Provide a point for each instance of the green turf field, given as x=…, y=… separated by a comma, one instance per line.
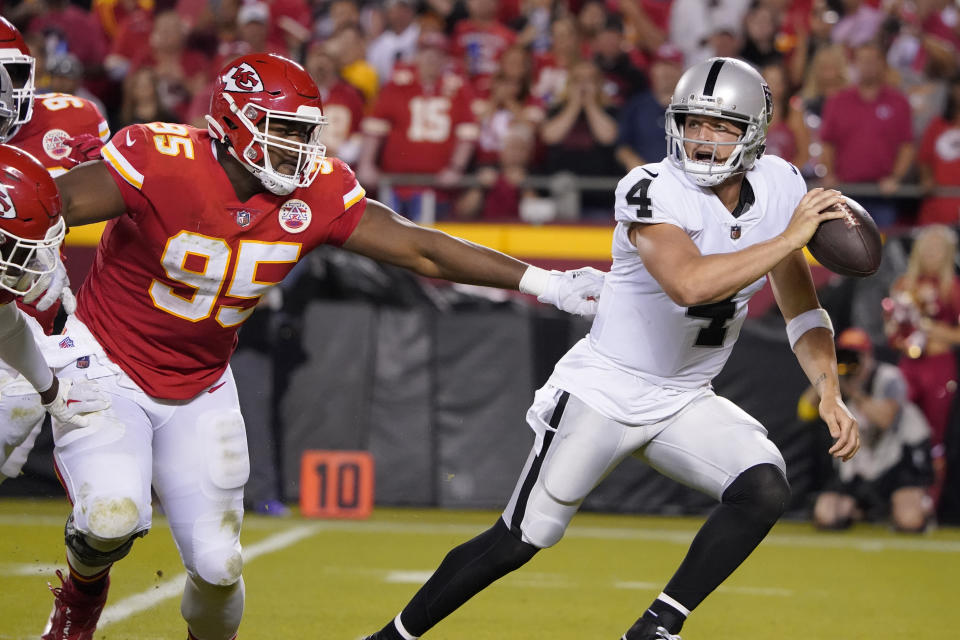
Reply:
x=340, y=579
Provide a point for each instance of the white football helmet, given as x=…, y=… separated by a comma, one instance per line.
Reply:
x=724, y=88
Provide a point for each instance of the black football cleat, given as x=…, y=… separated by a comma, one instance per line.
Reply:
x=644, y=629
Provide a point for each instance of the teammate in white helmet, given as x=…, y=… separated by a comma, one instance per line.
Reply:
x=696, y=237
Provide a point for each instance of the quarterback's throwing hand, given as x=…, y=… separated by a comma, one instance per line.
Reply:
x=52, y=286
x=576, y=291
x=74, y=400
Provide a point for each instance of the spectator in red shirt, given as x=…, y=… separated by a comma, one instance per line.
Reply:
x=509, y=102
x=939, y=162
x=501, y=194
x=78, y=28
x=867, y=134
x=181, y=72
x=131, y=32
x=422, y=118
x=551, y=68
x=479, y=40
x=342, y=104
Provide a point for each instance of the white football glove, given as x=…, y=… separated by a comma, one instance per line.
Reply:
x=75, y=399
x=576, y=291
x=53, y=286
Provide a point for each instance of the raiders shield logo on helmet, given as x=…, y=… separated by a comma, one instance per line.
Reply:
x=243, y=78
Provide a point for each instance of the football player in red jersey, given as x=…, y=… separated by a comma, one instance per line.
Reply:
x=47, y=128
x=201, y=225
x=30, y=226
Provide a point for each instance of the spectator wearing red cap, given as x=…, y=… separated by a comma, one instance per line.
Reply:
x=641, y=138
x=423, y=121
x=892, y=470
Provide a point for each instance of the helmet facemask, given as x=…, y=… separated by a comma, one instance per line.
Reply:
x=8, y=107
x=255, y=156
x=24, y=261
x=709, y=172
x=20, y=67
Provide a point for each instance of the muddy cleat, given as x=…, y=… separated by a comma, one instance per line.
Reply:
x=75, y=614
x=644, y=629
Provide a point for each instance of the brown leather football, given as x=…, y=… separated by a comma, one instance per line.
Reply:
x=850, y=246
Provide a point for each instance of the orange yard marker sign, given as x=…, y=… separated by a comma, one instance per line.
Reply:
x=336, y=484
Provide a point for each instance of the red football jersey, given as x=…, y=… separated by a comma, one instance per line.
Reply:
x=180, y=271
x=422, y=124
x=56, y=117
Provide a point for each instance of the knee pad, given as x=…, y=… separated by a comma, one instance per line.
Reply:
x=110, y=518
x=543, y=532
x=217, y=559
x=762, y=490
x=88, y=555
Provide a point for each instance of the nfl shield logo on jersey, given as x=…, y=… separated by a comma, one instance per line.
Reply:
x=295, y=216
x=735, y=232
x=243, y=218
x=66, y=343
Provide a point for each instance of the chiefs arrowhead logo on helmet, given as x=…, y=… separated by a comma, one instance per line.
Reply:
x=242, y=78
x=7, y=210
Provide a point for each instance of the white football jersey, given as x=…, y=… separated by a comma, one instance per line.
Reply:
x=645, y=354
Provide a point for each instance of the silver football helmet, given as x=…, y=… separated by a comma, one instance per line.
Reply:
x=724, y=88
x=8, y=106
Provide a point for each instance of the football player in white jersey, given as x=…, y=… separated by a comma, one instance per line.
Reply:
x=696, y=236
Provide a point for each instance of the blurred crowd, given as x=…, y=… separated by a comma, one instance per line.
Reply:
x=865, y=91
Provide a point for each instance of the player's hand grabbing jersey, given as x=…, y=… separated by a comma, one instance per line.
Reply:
x=177, y=275
x=56, y=117
x=642, y=340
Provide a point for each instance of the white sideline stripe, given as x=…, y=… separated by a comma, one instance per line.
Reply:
x=819, y=540
x=29, y=569
x=750, y=591
x=173, y=587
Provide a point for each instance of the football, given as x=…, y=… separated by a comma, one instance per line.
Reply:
x=851, y=245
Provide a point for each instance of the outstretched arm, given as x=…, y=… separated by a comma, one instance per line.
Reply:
x=89, y=194
x=793, y=288
x=388, y=237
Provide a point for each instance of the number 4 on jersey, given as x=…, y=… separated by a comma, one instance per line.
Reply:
x=637, y=197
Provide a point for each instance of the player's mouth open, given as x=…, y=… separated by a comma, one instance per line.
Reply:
x=704, y=156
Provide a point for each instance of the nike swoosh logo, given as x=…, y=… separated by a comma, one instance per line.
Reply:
x=212, y=389
x=647, y=170
x=130, y=141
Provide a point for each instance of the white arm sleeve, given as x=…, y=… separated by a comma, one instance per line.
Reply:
x=20, y=351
